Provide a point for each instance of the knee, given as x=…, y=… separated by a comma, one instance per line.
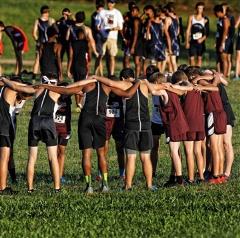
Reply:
x=227, y=146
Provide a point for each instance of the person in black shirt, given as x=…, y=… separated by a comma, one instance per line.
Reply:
x=63, y=25
x=40, y=33
x=8, y=100
x=50, y=56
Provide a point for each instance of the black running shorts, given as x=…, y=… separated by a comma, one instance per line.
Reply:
x=91, y=131
x=42, y=128
x=157, y=129
x=6, y=141
x=196, y=49
x=138, y=140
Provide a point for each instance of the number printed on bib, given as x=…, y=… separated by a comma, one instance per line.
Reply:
x=113, y=112
x=60, y=119
x=197, y=35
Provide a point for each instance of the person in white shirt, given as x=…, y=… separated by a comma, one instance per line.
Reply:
x=110, y=22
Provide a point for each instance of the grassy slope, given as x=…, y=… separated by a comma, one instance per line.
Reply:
x=203, y=211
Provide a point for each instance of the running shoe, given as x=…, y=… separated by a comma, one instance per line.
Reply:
x=153, y=188
x=105, y=189
x=8, y=191
x=214, y=180
x=89, y=190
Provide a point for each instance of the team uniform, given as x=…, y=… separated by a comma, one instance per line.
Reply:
x=63, y=26
x=7, y=130
x=48, y=60
x=216, y=116
x=115, y=118
x=174, y=119
x=42, y=32
x=193, y=108
x=99, y=40
x=127, y=34
x=138, y=51
x=19, y=42
x=41, y=125
x=91, y=124
x=226, y=105
x=156, y=121
x=231, y=34
x=228, y=44
x=138, y=134
x=62, y=119
x=157, y=45
x=173, y=32
x=80, y=54
x=198, y=30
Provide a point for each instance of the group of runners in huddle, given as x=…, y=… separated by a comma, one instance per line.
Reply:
x=189, y=104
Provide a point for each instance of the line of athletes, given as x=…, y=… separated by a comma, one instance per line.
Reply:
x=154, y=35
x=191, y=107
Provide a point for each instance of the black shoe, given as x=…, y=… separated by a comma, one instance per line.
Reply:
x=171, y=182
x=200, y=181
x=30, y=191
x=8, y=191
x=189, y=182
x=58, y=190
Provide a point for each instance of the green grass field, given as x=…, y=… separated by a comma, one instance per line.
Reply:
x=196, y=211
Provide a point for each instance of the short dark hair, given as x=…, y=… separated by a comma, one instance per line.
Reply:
x=192, y=71
x=44, y=9
x=2, y=24
x=131, y=5
x=80, y=16
x=170, y=7
x=218, y=8
x=183, y=67
x=135, y=8
x=199, y=4
x=151, y=69
x=99, y=3
x=178, y=76
x=66, y=10
x=150, y=7
x=126, y=73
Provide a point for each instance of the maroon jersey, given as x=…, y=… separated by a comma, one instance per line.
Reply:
x=174, y=119
x=214, y=104
x=193, y=107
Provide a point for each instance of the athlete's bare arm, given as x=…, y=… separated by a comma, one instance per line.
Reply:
x=124, y=85
x=58, y=48
x=69, y=74
x=188, y=31
x=226, y=25
x=166, y=27
x=35, y=30
x=135, y=35
x=91, y=41
x=18, y=87
x=126, y=93
x=75, y=88
x=155, y=89
x=206, y=88
x=237, y=24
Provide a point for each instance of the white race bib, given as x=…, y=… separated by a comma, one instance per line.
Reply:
x=197, y=35
x=113, y=112
x=60, y=119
